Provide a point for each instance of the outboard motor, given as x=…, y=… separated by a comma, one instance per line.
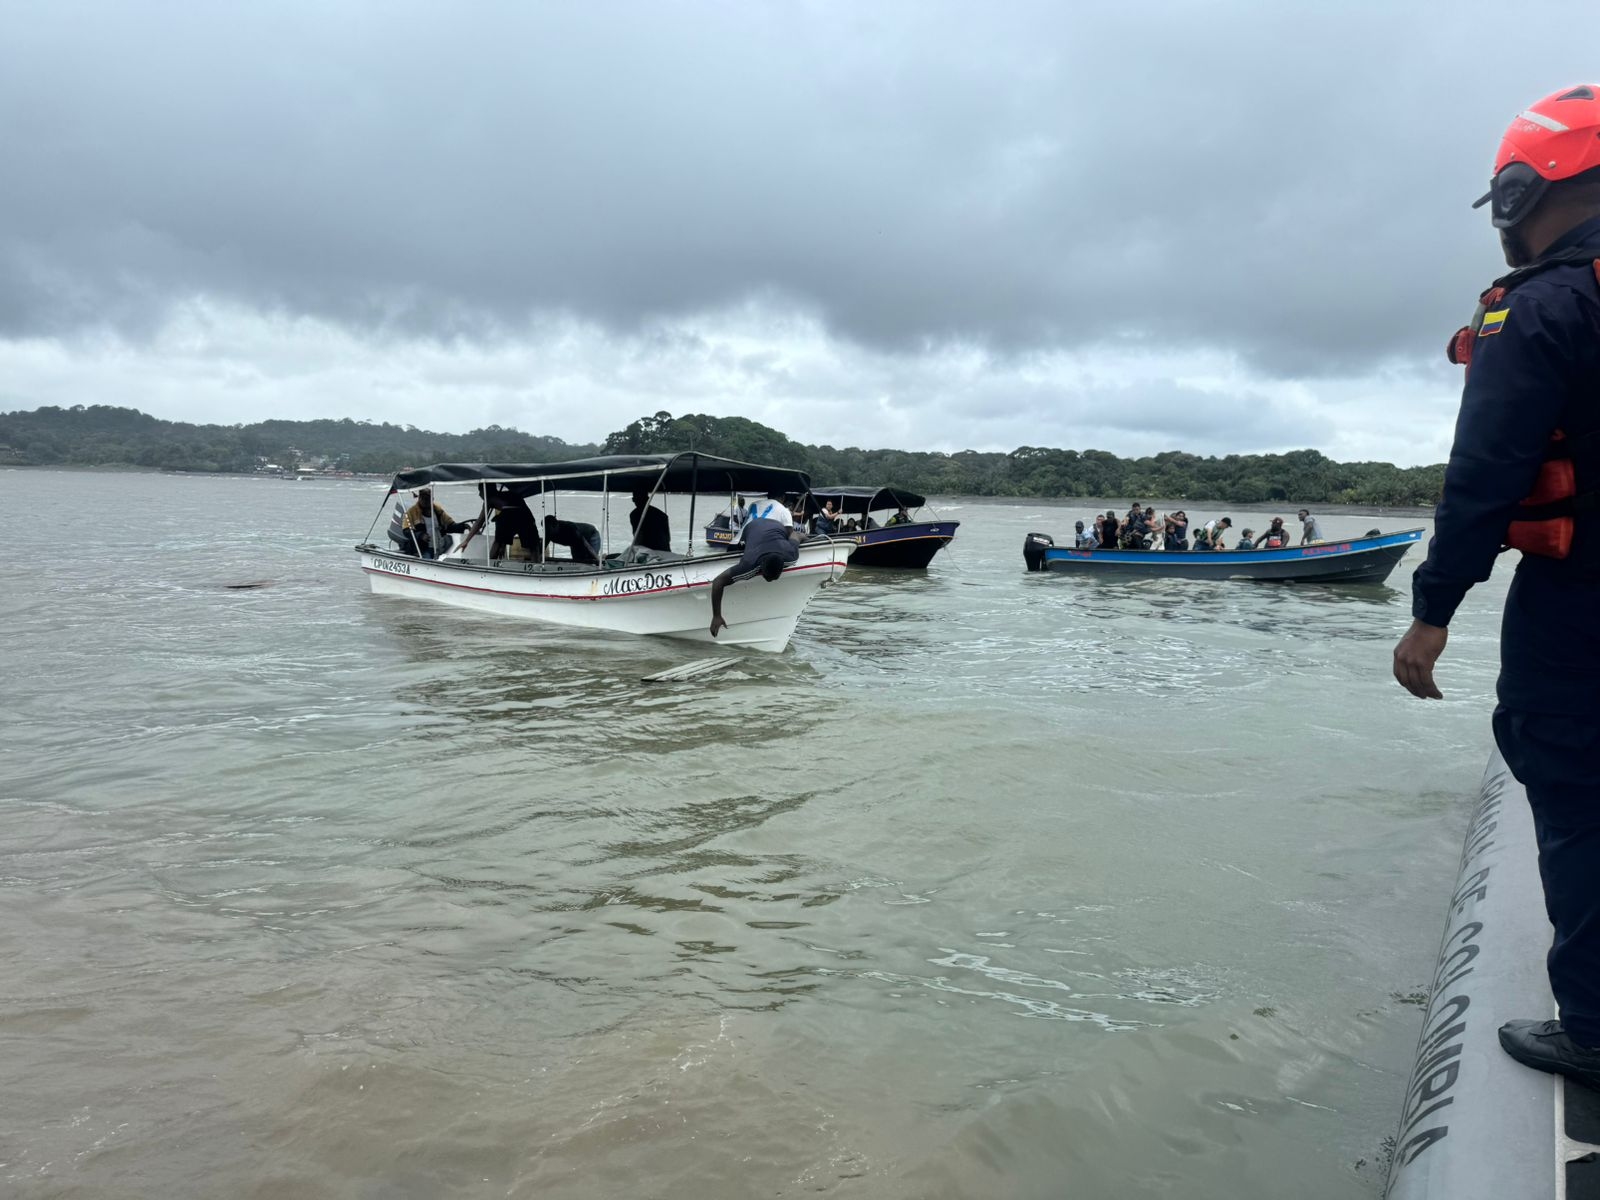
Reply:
x=397, y=533
x=1033, y=548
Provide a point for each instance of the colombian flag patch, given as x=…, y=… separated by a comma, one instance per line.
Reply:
x=1493, y=322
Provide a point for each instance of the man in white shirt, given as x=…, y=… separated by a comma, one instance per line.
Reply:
x=763, y=509
x=1211, y=534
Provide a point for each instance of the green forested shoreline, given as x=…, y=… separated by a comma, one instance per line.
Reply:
x=105, y=436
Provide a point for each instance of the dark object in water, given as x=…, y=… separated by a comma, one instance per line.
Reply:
x=254, y=583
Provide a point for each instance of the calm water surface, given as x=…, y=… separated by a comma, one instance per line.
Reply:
x=991, y=886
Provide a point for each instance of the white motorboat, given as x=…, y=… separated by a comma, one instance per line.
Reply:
x=631, y=591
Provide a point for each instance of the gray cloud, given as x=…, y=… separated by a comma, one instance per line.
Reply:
x=1287, y=180
x=1286, y=184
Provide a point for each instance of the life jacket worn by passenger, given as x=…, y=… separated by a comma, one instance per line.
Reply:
x=1546, y=520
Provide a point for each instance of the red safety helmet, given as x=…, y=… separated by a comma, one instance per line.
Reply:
x=1556, y=138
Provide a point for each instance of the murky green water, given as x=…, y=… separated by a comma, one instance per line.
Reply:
x=993, y=885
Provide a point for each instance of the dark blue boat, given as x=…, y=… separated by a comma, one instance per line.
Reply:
x=910, y=545
x=1367, y=559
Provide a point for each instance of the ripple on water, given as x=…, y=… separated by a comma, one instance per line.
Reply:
x=313, y=893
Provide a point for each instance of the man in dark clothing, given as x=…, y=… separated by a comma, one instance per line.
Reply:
x=650, y=528
x=580, y=537
x=1108, y=531
x=512, y=520
x=769, y=546
x=1534, y=368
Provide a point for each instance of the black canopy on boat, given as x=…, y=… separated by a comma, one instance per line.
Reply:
x=865, y=499
x=689, y=471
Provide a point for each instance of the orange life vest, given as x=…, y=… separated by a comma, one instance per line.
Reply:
x=1547, y=518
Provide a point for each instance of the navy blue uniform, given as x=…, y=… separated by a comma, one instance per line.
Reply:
x=763, y=539
x=1538, y=371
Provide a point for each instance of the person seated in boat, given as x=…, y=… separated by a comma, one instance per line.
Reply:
x=425, y=524
x=1134, y=529
x=851, y=526
x=1175, y=531
x=826, y=521
x=769, y=547
x=1247, y=540
x=650, y=528
x=579, y=537
x=1084, y=539
x=1210, y=535
x=512, y=520
x=1110, y=527
x=901, y=517
x=1276, y=536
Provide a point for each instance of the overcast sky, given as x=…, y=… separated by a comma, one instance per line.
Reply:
x=1219, y=226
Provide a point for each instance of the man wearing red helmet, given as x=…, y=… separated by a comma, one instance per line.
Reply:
x=1524, y=471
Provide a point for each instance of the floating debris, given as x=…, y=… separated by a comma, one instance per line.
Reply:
x=694, y=670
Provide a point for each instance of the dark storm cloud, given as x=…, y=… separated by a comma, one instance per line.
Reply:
x=1285, y=181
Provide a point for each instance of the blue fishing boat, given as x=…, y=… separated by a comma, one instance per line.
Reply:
x=908, y=544
x=1368, y=559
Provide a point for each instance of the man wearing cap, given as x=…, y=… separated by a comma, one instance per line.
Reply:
x=425, y=525
x=1534, y=369
x=1210, y=535
x=1276, y=537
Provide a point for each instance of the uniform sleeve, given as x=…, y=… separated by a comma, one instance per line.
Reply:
x=1520, y=381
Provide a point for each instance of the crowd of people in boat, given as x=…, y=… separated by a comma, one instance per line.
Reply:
x=427, y=530
x=821, y=521
x=1142, y=529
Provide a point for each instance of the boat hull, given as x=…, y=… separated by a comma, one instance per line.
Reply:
x=903, y=547
x=670, y=598
x=1357, y=560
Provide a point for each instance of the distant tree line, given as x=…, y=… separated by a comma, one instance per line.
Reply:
x=103, y=436
x=1303, y=476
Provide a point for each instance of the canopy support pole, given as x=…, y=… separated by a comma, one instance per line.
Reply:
x=694, y=488
x=383, y=507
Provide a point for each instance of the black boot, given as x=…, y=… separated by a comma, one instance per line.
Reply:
x=1545, y=1046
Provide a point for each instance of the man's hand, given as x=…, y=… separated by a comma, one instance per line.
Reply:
x=717, y=625
x=1414, y=656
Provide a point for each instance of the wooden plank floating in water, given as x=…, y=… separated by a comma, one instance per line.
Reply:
x=694, y=670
